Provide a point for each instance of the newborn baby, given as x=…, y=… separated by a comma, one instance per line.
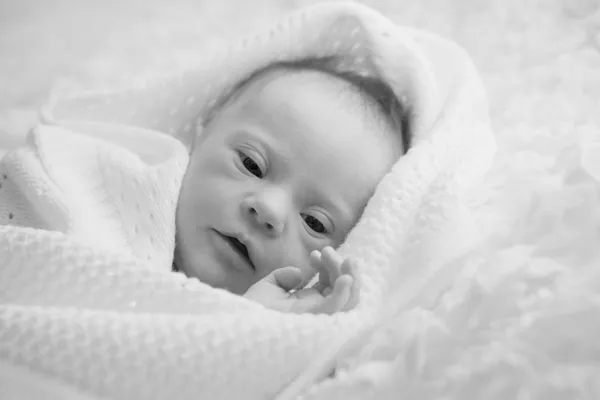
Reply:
x=279, y=176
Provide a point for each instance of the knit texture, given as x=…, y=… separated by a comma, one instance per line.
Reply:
x=87, y=297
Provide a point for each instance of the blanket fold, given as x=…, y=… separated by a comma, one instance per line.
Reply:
x=87, y=296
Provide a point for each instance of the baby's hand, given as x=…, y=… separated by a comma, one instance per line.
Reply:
x=337, y=290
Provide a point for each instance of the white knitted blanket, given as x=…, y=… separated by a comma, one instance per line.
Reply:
x=87, y=299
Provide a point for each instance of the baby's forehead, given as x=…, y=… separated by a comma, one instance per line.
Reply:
x=291, y=93
x=282, y=85
x=282, y=88
x=315, y=112
x=270, y=89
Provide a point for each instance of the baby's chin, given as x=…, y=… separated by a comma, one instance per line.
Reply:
x=208, y=270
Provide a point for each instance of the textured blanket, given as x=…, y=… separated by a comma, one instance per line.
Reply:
x=87, y=298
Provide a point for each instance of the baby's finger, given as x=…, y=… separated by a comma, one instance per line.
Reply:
x=332, y=262
x=327, y=262
x=349, y=268
x=315, y=262
x=338, y=298
x=287, y=278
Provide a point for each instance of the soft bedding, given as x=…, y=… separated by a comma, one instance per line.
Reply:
x=517, y=315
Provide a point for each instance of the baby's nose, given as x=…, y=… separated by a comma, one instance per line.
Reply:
x=271, y=223
x=269, y=210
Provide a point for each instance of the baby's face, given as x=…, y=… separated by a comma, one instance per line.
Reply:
x=286, y=168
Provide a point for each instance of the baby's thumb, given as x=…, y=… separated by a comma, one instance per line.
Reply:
x=287, y=278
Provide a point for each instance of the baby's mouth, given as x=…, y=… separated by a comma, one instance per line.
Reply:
x=241, y=249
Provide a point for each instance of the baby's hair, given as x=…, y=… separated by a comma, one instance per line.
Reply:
x=375, y=88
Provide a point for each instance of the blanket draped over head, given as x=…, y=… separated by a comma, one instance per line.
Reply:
x=88, y=303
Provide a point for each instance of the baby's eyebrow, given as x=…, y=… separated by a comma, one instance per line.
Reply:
x=342, y=210
x=255, y=135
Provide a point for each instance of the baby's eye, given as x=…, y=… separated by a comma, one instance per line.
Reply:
x=250, y=165
x=314, y=224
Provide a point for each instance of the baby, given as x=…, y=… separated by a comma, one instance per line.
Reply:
x=280, y=174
